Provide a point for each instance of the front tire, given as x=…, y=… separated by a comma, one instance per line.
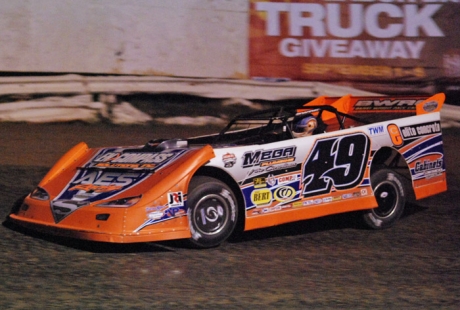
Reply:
x=212, y=212
x=390, y=193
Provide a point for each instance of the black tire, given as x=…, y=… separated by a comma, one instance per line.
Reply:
x=390, y=194
x=212, y=212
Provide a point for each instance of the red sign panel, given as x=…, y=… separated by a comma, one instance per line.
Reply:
x=359, y=42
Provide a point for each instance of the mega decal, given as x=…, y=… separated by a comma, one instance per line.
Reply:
x=270, y=157
x=336, y=161
x=135, y=160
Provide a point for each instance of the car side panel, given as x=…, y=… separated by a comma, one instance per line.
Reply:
x=330, y=173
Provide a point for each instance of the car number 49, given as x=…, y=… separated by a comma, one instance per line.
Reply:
x=336, y=161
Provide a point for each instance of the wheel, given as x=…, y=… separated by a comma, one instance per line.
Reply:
x=390, y=194
x=212, y=211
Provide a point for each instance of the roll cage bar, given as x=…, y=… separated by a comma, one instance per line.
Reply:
x=287, y=116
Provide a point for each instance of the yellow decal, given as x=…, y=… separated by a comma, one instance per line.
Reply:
x=261, y=197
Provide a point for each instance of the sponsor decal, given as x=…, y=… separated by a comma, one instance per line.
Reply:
x=229, y=160
x=271, y=180
x=135, y=160
x=261, y=197
x=277, y=161
x=263, y=158
x=259, y=182
x=175, y=199
x=428, y=168
x=108, y=179
x=90, y=185
x=155, y=215
x=428, y=165
x=157, y=208
x=297, y=204
x=337, y=162
x=272, y=209
x=430, y=106
x=421, y=130
x=387, y=104
x=376, y=130
x=159, y=214
x=271, y=168
x=395, y=134
x=284, y=193
x=62, y=208
x=172, y=212
x=95, y=188
x=288, y=178
x=363, y=192
x=352, y=195
x=308, y=202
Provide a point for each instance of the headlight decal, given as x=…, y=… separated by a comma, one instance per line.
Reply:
x=39, y=194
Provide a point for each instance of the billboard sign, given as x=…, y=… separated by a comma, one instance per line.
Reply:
x=362, y=41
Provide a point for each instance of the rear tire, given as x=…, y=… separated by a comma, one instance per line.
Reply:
x=390, y=194
x=212, y=212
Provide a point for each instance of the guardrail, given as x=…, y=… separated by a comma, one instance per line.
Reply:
x=450, y=116
x=204, y=87
x=81, y=106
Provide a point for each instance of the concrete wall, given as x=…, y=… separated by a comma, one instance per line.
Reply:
x=194, y=38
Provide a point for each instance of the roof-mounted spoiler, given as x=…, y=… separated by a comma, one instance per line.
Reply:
x=373, y=104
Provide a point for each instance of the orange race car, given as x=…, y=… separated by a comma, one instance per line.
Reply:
x=331, y=155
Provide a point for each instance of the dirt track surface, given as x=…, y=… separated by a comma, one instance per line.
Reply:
x=318, y=264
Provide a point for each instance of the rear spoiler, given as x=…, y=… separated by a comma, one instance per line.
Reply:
x=348, y=104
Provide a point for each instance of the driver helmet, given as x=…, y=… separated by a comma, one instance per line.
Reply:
x=305, y=126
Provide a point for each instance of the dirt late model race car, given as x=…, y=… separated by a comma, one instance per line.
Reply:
x=328, y=156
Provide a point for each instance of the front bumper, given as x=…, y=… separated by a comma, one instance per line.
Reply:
x=118, y=225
